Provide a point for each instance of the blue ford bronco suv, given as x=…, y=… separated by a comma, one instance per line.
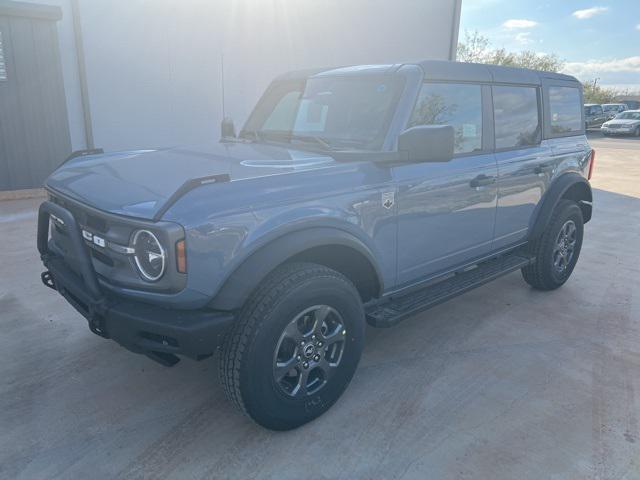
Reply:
x=351, y=195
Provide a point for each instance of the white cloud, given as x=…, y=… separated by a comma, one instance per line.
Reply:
x=638, y=27
x=599, y=67
x=632, y=88
x=589, y=12
x=621, y=71
x=523, y=38
x=519, y=23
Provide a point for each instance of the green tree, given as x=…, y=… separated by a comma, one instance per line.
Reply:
x=474, y=49
x=594, y=93
x=477, y=48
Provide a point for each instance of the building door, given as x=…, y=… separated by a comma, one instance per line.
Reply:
x=34, y=129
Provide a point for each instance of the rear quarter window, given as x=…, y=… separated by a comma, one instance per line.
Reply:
x=565, y=110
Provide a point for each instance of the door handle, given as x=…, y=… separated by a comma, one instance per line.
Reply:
x=543, y=168
x=482, y=181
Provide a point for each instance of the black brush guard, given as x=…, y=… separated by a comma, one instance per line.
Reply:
x=157, y=332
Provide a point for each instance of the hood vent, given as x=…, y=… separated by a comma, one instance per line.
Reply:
x=186, y=187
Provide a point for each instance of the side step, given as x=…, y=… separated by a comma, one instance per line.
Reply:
x=398, y=308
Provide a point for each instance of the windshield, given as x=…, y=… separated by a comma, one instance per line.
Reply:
x=629, y=116
x=327, y=112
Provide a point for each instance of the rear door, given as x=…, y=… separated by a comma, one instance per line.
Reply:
x=524, y=160
x=446, y=211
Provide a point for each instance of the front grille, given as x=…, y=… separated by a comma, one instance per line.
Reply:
x=95, y=223
x=101, y=257
x=616, y=125
x=112, y=267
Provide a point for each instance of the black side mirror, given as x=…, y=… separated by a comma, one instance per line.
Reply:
x=428, y=143
x=227, y=128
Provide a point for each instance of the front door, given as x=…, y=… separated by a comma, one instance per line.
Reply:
x=446, y=211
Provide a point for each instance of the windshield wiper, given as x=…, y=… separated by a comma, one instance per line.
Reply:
x=323, y=142
x=262, y=135
x=256, y=135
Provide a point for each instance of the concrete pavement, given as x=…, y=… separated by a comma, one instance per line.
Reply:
x=502, y=383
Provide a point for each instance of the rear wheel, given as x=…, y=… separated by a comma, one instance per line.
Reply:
x=637, y=132
x=558, y=248
x=295, y=347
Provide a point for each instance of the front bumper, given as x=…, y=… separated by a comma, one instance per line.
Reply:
x=160, y=333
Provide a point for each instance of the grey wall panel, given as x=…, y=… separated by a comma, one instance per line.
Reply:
x=35, y=131
x=5, y=118
x=69, y=63
x=29, y=143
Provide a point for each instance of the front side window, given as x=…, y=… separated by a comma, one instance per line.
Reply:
x=564, y=106
x=337, y=112
x=517, y=121
x=458, y=105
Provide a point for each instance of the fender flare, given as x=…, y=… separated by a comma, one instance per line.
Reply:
x=251, y=272
x=555, y=193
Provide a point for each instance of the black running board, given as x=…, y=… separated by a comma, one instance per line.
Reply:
x=398, y=308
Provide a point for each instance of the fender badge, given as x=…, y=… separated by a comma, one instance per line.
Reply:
x=388, y=199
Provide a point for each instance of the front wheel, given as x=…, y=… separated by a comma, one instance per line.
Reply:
x=558, y=248
x=295, y=347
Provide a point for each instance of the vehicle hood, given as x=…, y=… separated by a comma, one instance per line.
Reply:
x=622, y=121
x=139, y=183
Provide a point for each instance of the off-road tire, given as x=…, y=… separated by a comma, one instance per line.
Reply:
x=246, y=360
x=542, y=274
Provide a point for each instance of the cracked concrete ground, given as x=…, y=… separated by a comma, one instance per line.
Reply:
x=502, y=383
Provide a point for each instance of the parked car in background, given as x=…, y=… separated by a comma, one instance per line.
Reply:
x=632, y=102
x=625, y=123
x=594, y=116
x=612, y=109
x=351, y=195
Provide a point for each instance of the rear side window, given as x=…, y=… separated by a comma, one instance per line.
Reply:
x=565, y=110
x=516, y=117
x=458, y=105
x=594, y=110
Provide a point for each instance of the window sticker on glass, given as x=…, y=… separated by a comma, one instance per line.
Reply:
x=469, y=130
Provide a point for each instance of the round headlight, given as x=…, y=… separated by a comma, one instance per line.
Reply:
x=149, y=255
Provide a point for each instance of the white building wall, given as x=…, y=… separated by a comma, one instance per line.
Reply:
x=153, y=66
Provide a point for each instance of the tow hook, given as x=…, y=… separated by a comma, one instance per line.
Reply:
x=47, y=279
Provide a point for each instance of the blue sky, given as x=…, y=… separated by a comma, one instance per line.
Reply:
x=597, y=39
